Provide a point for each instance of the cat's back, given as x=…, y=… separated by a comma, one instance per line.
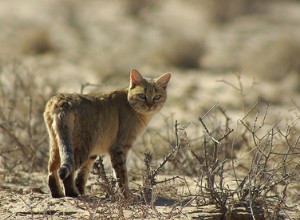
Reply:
x=107, y=113
x=63, y=102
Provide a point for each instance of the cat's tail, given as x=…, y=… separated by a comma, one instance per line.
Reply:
x=63, y=132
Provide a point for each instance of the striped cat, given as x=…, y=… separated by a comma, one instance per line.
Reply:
x=81, y=127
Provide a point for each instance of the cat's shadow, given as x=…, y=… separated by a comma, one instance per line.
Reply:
x=170, y=202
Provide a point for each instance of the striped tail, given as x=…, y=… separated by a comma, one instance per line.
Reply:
x=65, y=146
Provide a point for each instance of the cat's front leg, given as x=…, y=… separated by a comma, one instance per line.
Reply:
x=118, y=161
x=118, y=157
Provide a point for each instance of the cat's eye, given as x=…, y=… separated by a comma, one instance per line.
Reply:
x=142, y=96
x=157, y=97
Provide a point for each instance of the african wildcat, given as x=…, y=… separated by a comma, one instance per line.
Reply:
x=83, y=126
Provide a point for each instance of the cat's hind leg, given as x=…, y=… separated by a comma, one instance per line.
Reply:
x=83, y=174
x=56, y=191
x=53, y=179
x=69, y=185
x=53, y=166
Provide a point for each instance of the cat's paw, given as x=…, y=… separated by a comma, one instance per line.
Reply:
x=132, y=197
x=70, y=192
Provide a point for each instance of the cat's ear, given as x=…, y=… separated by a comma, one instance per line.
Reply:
x=135, y=78
x=163, y=80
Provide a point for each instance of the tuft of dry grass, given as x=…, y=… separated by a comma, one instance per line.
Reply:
x=274, y=59
x=222, y=188
x=220, y=12
x=182, y=52
x=254, y=185
x=251, y=165
x=137, y=8
x=23, y=133
x=37, y=42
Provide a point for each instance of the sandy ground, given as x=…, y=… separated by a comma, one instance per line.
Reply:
x=31, y=200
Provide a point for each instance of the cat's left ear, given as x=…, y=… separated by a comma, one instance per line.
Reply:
x=163, y=80
x=135, y=78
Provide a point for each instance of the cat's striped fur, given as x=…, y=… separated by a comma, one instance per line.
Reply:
x=81, y=127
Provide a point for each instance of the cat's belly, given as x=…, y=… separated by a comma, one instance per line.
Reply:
x=100, y=150
x=101, y=147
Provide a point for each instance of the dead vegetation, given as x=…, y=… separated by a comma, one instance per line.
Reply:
x=221, y=12
x=281, y=60
x=23, y=137
x=189, y=57
x=259, y=181
x=247, y=169
x=37, y=42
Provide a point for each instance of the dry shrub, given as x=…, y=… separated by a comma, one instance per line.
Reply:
x=23, y=133
x=259, y=181
x=221, y=11
x=274, y=58
x=262, y=176
x=181, y=52
x=248, y=166
x=137, y=8
x=37, y=42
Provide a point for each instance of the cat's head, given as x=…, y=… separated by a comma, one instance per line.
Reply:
x=147, y=96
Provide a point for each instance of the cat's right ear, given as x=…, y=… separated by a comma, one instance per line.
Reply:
x=163, y=80
x=135, y=78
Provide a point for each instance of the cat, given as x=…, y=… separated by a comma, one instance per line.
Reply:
x=81, y=127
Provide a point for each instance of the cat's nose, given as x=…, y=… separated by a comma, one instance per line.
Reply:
x=149, y=104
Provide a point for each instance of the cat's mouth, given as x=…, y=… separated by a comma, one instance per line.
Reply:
x=149, y=109
x=152, y=108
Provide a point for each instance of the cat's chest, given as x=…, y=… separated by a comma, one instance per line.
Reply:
x=121, y=132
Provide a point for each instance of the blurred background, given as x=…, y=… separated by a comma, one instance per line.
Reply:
x=231, y=52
